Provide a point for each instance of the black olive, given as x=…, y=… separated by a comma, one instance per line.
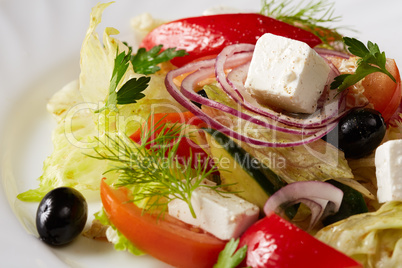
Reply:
x=203, y=94
x=61, y=216
x=358, y=133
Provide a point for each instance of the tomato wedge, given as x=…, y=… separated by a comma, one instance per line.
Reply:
x=187, y=149
x=208, y=35
x=166, y=239
x=382, y=92
x=275, y=242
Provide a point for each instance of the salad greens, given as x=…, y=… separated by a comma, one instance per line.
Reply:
x=371, y=238
x=146, y=62
x=371, y=60
x=130, y=92
x=230, y=256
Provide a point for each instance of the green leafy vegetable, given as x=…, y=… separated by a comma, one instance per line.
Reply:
x=130, y=92
x=121, y=243
x=310, y=16
x=230, y=256
x=155, y=173
x=145, y=62
x=371, y=60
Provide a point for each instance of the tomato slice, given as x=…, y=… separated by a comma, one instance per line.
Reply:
x=382, y=92
x=166, y=239
x=208, y=35
x=275, y=242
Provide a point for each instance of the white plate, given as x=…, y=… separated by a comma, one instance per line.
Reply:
x=39, y=53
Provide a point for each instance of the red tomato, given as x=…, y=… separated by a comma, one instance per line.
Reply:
x=382, y=92
x=208, y=35
x=166, y=239
x=275, y=242
x=187, y=148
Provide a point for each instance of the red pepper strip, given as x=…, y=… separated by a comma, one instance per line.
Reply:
x=208, y=35
x=275, y=242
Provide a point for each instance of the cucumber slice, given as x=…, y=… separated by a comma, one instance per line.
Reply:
x=241, y=172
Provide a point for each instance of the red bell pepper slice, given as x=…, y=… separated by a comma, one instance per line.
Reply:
x=208, y=35
x=275, y=242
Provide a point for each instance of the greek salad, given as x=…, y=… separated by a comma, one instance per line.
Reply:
x=229, y=139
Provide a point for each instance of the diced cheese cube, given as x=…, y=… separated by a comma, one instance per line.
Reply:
x=287, y=74
x=225, y=217
x=388, y=163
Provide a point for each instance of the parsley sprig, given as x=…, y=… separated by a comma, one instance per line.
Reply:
x=146, y=62
x=371, y=60
x=131, y=91
x=230, y=256
x=157, y=174
x=311, y=16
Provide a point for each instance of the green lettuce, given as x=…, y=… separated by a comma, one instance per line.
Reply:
x=79, y=128
x=374, y=239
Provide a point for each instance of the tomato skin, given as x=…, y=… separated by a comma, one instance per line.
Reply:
x=275, y=242
x=208, y=35
x=187, y=149
x=166, y=239
x=382, y=92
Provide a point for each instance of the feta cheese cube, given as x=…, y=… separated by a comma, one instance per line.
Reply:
x=388, y=163
x=225, y=217
x=287, y=74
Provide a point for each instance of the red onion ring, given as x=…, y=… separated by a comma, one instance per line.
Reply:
x=321, y=197
x=313, y=126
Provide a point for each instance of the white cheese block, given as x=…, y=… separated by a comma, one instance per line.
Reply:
x=224, y=217
x=287, y=74
x=388, y=163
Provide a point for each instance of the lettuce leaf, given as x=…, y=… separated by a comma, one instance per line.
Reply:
x=78, y=126
x=374, y=239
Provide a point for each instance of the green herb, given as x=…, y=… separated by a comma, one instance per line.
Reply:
x=309, y=16
x=371, y=60
x=130, y=92
x=230, y=256
x=155, y=173
x=145, y=62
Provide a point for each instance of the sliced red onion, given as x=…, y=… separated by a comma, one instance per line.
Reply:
x=331, y=109
x=191, y=81
x=187, y=103
x=322, y=198
x=309, y=127
x=331, y=53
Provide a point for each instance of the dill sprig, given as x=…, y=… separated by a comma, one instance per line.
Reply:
x=152, y=167
x=310, y=16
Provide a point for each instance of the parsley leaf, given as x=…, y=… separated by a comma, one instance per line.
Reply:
x=145, y=62
x=230, y=256
x=130, y=92
x=371, y=60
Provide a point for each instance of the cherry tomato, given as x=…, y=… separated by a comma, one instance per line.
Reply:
x=166, y=239
x=275, y=242
x=382, y=92
x=208, y=35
